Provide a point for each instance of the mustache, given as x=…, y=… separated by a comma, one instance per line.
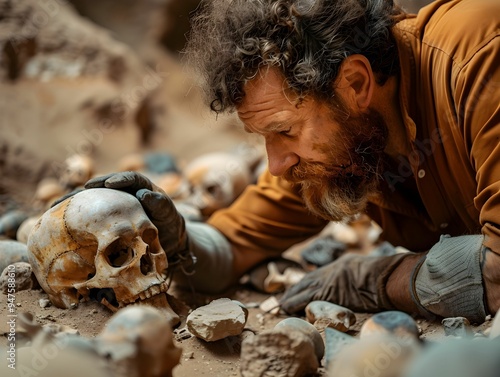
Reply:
x=311, y=171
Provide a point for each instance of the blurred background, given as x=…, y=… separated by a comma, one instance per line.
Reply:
x=101, y=79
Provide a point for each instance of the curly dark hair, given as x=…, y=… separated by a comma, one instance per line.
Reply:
x=307, y=39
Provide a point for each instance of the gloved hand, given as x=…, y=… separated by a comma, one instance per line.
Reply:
x=159, y=208
x=354, y=281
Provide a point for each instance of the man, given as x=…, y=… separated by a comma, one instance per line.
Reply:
x=362, y=108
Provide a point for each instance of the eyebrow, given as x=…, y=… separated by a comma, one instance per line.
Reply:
x=271, y=127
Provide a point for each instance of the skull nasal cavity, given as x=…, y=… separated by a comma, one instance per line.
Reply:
x=146, y=264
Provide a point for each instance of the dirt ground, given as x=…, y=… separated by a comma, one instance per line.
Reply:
x=199, y=358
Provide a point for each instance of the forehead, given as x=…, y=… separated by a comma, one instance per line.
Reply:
x=265, y=91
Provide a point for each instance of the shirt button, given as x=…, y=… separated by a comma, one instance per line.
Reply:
x=443, y=225
x=421, y=173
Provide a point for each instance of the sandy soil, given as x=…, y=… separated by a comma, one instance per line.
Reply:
x=199, y=358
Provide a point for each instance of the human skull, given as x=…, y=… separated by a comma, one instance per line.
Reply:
x=138, y=342
x=99, y=244
x=78, y=169
x=216, y=180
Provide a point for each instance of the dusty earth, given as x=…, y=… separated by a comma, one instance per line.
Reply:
x=35, y=112
x=199, y=358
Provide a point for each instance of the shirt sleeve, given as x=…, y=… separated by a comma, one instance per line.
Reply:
x=267, y=219
x=477, y=98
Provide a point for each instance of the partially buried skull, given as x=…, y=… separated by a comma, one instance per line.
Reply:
x=99, y=244
x=216, y=180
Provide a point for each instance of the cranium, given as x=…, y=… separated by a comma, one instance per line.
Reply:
x=78, y=169
x=216, y=180
x=99, y=244
x=138, y=341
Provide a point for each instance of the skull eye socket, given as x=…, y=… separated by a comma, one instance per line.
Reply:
x=119, y=255
x=214, y=190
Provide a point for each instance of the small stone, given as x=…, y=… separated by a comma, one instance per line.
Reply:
x=270, y=305
x=456, y=326
x=323, y=250
x=379, y=355
x=326, y=314
x=391, y=322
x=12, y=252
x=22, y=274
x=217, y=320
x=181, y=334
x=44, y=302
x=25, y=229
x=457, y=357
x=335, y=341
x=10, y=223
x=159, y=162
x=58, y=329
x=278, y=352
x=297, y=324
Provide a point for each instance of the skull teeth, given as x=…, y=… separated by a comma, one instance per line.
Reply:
x=148, y=293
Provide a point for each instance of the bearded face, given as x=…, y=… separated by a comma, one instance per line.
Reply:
x=338, y=192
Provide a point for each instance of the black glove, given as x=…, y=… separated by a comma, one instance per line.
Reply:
x=159, y=208
x=353, y=281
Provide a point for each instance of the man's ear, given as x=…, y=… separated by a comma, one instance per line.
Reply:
x=356, y=80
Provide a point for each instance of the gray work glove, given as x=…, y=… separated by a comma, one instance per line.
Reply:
x=353, y=281
x=159, y=208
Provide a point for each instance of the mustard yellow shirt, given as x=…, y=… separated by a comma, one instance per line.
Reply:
x=449, y=182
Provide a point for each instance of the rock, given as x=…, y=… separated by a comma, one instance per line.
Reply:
x=391, y=322
x=326, y=314
x=270, y=305
x=44, y=303
x=12, y=252
x=384, y=249
x=379, y=355
x=65, y=358
x=138, y=341
x=323, y=250
x=335, y=341
x=24, y=230
x=47, y=191
x=297, y=324
x=458, y=357
x=160, y=163
x=456, y=326
x=217, y=320
x=10, y=223
x=278, y=353
x=21, y=273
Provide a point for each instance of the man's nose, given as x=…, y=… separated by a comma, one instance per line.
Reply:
x=280, y=158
